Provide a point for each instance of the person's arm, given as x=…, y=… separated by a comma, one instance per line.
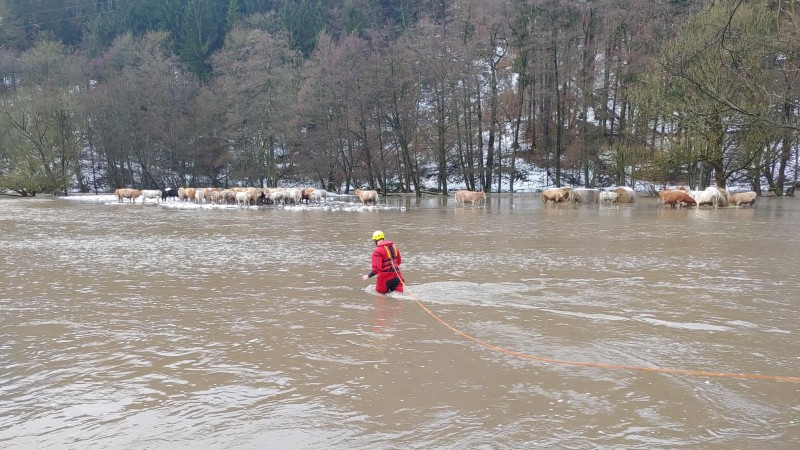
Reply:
x=372, y=272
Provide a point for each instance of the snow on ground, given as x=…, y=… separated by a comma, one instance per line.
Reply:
x=336, y=202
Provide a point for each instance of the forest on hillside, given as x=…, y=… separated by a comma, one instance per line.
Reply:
x=391, y=94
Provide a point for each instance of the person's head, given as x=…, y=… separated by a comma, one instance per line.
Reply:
x=377, y=237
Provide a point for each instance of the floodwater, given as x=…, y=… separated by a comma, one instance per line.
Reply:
x=150, y=327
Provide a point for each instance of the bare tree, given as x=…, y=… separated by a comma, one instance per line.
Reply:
x=257, y=78
x=400, y=108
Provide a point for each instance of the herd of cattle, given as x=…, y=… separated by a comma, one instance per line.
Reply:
x=680, y=197
x=239, y=196
x=712, y=196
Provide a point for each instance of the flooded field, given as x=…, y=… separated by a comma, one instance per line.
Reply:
x=162, y=327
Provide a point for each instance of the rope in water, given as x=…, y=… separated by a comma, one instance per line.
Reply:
x=698, y=373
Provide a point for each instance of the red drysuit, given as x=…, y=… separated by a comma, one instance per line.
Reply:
x=386, y=261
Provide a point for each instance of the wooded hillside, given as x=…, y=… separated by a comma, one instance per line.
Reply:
x=379, y=94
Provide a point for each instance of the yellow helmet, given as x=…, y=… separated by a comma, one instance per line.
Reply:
x=378, y=235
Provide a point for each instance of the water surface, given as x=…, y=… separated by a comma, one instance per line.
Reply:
x=130, y=326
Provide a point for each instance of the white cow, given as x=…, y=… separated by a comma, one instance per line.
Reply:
x=242, y=198
x=293, y=195
x=709, y=196
x=318, y=196
x=277, y=195
x=608, y=196
x=151, y=193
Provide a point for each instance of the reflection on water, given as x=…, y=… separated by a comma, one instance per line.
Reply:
x=388, y=313
x=130, y=326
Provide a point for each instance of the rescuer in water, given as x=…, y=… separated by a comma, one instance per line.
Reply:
x=386, y=264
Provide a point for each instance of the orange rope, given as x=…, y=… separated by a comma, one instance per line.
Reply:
x=699, y=373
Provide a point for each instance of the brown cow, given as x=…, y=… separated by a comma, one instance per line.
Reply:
x=212, y=195
x=306, y=194
x=463, y=196
x=190, y=194
x=675, y=197
x=228, y=196
x=744, y=198
x=367, y=196
x=254, y=195
x=124, y=193
x=555, y=195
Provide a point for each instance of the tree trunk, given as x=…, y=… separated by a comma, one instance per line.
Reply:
x=559, y=113
x=587, y=76
x=441, y=139
x=517, y=125
x=494, y=61
x=785, y=153
x=469, y=158
x=547, y=118
x=479, y=122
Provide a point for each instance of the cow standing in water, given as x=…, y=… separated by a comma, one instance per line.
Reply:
x=744, y=198
x=609, y=196
x=151, y=193
x=367, y=196
x=169, y=193
x=124, y=193
x=555, y=195
x=463, y=196
x=675, y=197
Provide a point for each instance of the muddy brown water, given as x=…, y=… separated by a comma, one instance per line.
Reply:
x=130, y=326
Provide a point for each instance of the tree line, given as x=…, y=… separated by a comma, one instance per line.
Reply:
x=373, y=93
